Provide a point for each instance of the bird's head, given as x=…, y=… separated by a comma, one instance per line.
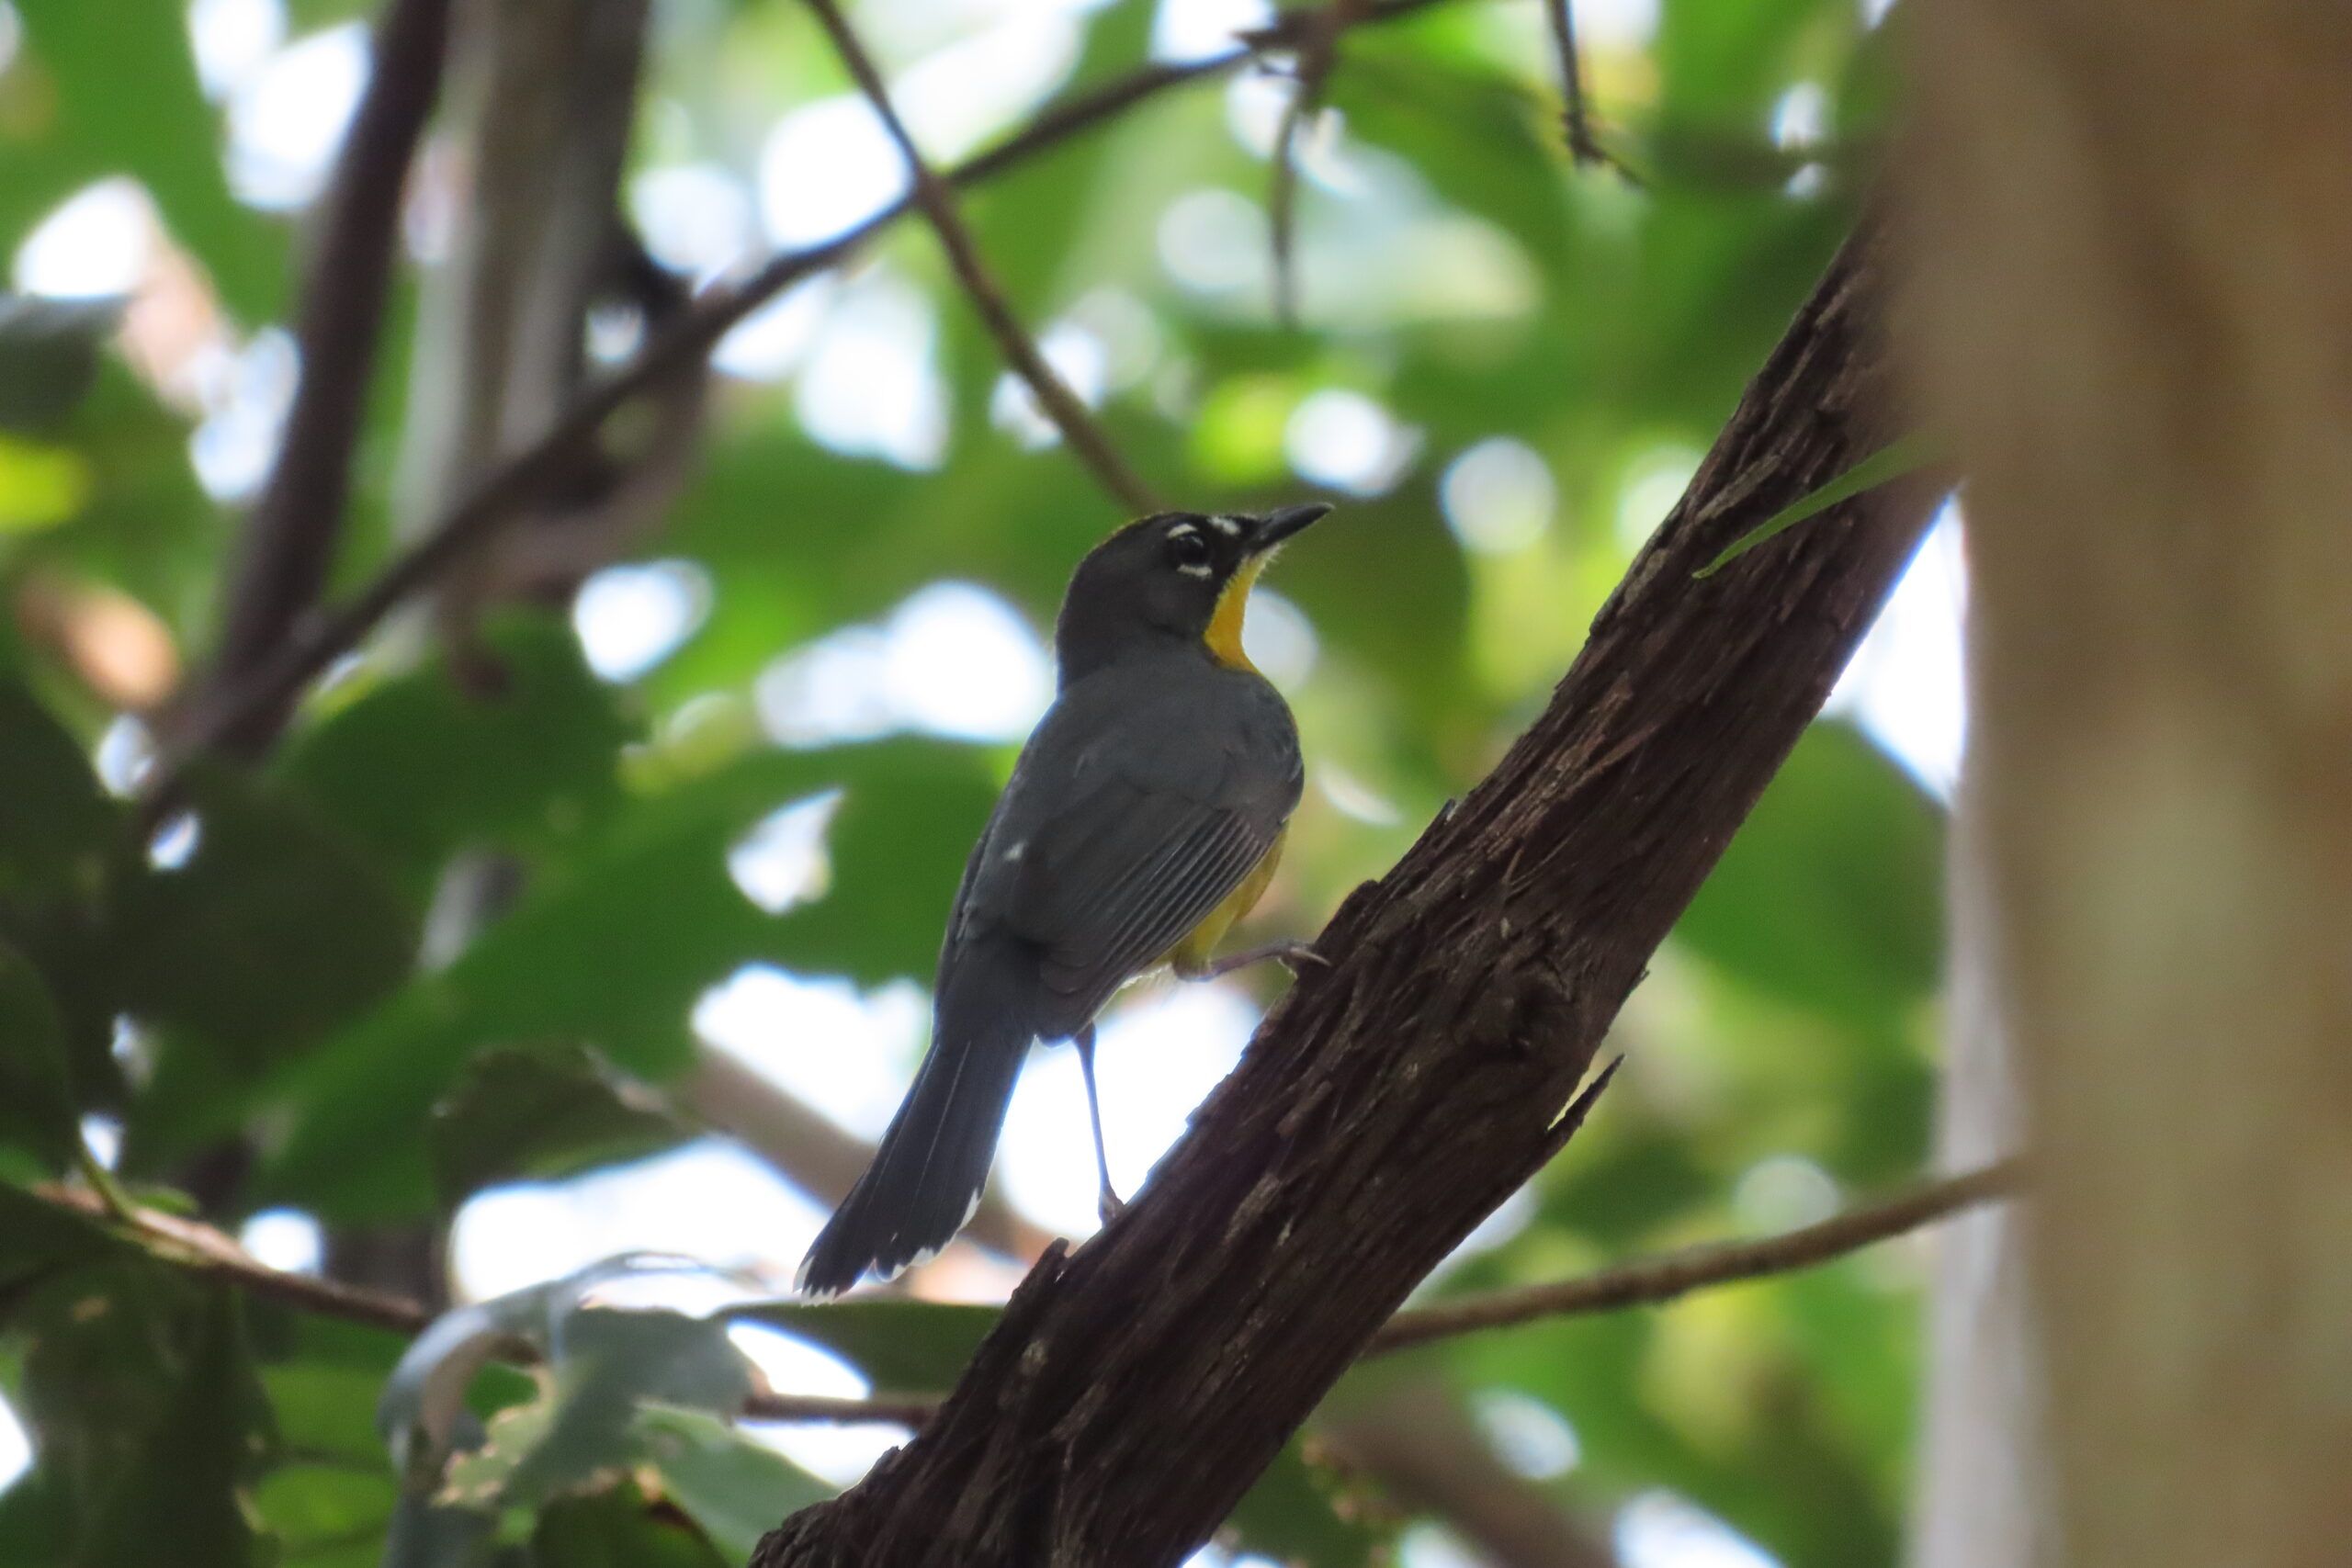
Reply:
x=1177, y=577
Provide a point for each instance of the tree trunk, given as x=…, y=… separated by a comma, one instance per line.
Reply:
x=2135, y=257
x=1390, y=1102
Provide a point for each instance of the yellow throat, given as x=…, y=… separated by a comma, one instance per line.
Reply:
x=1224, y=634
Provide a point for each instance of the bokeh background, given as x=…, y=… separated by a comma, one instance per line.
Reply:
x=735, y=773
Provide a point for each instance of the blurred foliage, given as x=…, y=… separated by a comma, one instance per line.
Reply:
x=263, y=1001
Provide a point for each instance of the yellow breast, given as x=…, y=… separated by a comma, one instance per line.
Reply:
x=1224, y=634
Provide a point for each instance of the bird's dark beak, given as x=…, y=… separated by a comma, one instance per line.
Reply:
x=1276, y=526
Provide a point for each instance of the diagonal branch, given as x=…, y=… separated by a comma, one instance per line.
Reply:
x=1134, y=1389
x=317, y=641
x=937, y=202
x=288, y=544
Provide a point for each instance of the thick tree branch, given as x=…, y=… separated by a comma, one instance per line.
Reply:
x=290, y=541
x=1133, y=1389
x=508, y=492
x=937, y=200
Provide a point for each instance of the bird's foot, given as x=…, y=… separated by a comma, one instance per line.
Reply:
x=1107, y=1204
x=1294, y=956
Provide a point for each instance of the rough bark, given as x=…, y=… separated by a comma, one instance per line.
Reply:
x=1390, y=1102
x=2136, y=256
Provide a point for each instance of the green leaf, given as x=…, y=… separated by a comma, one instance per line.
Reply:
x=611, y=946
x=615, y=1529
x=1287, y=1516
x=39, y=1239
x=1828, y=894
x=608, y=1366
x=56, y=823
x=37, y=1108
x=186, y=1486
x=423, y=1411
x=124, y=100
x=1825, y=912
x=902, y=1346
x=40, y=485
x=49, y=360
x=543, y=1114
x=141, y=1398
x=275, y=930
x=145, y=526
x=418, y=767
x=1893, y=461
x=36, y=1523
x=322, y=1516
x=731, y=1486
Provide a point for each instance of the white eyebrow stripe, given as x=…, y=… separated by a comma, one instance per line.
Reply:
x=1226, y=526
x=1182, y=531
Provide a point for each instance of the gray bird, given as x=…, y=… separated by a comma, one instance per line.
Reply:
x=1145, y=817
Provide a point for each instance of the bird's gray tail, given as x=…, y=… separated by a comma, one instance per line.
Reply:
x=927, y=1175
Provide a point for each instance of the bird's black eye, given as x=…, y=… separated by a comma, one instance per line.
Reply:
x=1187, y=550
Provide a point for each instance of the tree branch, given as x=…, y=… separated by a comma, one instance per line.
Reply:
x=1133, y=1390
x=1650, y=1281
x=317, y=641
x=937, y=202
x=288, y=543
x=1583, y=146
x=1318, y=50
x=200, y=1247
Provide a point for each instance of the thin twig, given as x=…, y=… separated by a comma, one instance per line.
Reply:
x=1645, y=1282
x=815, y=1409
x=937, y=201
x=1318, y=50
x=1583, y=146
x=1651, y=1280
x=317, y=641
x=288, y=543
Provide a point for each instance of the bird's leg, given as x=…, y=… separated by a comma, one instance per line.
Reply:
x=1106, y=1202
x=1292, y=953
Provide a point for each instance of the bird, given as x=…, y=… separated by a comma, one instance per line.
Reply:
x=1144, y=818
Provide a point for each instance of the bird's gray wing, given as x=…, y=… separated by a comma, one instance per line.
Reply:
x=1142, y=831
